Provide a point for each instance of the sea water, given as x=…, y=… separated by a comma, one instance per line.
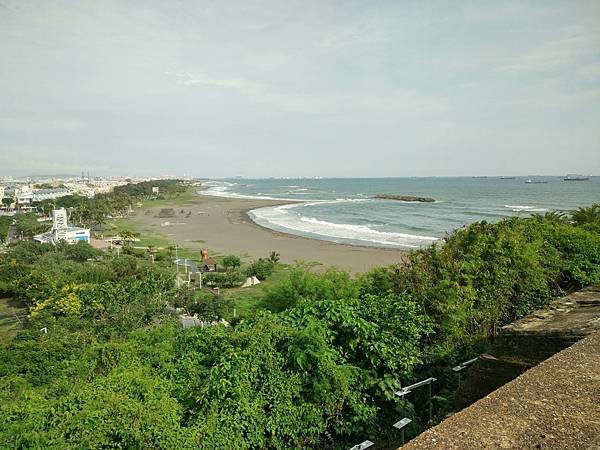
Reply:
x=344, y=210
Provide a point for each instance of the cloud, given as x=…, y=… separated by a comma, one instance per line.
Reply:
x=563, y=53
x=246, y=87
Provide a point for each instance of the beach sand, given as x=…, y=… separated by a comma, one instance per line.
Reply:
x=223, y=226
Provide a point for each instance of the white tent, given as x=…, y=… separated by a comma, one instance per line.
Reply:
x=251, y=281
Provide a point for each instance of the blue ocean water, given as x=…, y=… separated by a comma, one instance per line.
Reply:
x=343, y=210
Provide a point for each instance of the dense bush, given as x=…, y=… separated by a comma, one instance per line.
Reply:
x=81, y=251
x=261, y=269
x=318, y=371
x=302, y=284
x=227, y=279
x=231, y=262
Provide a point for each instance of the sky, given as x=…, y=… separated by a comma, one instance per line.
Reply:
x=299, y=88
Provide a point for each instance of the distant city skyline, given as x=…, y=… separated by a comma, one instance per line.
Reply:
x=283, y=89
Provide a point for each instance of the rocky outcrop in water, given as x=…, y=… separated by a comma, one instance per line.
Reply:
x=405, y=198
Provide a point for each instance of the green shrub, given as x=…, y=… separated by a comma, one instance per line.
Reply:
x=261, y=269
x=301, y=284
x=580, y=255
x=231, y=262
x=81, y=251
x=227, y=279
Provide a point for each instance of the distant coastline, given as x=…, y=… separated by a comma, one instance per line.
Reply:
x=419, y=211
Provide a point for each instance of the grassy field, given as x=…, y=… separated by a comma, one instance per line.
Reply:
x=248, y=300
x=149, y=236
x=182, y=199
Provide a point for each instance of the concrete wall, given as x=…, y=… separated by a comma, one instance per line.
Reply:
x=527, y=342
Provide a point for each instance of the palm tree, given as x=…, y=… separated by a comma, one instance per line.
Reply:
x=555, y=217
x=128, y=236
x=590, y=214
x=171, y=251
x=274, y=257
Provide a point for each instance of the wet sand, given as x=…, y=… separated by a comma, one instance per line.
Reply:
x=223, y=226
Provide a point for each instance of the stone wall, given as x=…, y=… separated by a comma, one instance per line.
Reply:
x=527, y=342
x=554, y=405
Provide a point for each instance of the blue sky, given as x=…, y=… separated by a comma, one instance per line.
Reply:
x=300, y=88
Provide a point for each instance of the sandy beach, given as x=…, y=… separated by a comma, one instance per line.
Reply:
x=223, y=226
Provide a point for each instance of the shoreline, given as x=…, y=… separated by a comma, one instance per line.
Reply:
x=223, y=225
x=245, y=216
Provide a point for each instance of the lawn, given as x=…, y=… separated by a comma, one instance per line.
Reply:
x=248, y=300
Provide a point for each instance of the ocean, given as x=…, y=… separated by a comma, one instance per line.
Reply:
x=343, y=210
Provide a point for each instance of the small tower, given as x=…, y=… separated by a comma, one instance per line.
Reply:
x=59, y=225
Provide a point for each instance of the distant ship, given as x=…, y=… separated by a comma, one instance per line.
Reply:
x=573, y=177
x=530, y=181
x=508, y=178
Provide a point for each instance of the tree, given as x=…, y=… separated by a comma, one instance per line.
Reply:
x=261, y=269
x=274, y=257
x=128, y=236
x=589, y=215
x=81, y=251
x=28, y=225
x=5, y=222
x=231, y=262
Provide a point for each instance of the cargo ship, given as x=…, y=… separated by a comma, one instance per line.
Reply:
x=573, y=177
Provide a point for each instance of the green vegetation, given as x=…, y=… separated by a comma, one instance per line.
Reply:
x=313, y=361
x=95, y=211
x=27, y=225
x=5, y=222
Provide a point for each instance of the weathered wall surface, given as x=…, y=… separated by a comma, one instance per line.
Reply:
x=554, y=405
x=531, y=340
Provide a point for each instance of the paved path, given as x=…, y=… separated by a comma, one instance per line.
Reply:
x=189, y=263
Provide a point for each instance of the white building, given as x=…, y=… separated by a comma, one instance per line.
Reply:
x=23, y=196
x=61, y=231
x=49, y=194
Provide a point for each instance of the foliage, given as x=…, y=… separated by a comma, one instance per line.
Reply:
x=5, y=222
x=80, y=252
x=587, y=215
x=302, y=284
x=274, y=257
x=231, y=262
x=28, y=225
x=144, y=189
x=228, y=279
x=261, y=269
x=317, y=371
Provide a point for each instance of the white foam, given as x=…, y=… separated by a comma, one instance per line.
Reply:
x=283, y=218
x=221, y=189
x=524, y=208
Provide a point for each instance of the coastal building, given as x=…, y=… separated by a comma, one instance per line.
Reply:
x=1, y=195
x=62, y=231
x=23, y=197
x=49, y=194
